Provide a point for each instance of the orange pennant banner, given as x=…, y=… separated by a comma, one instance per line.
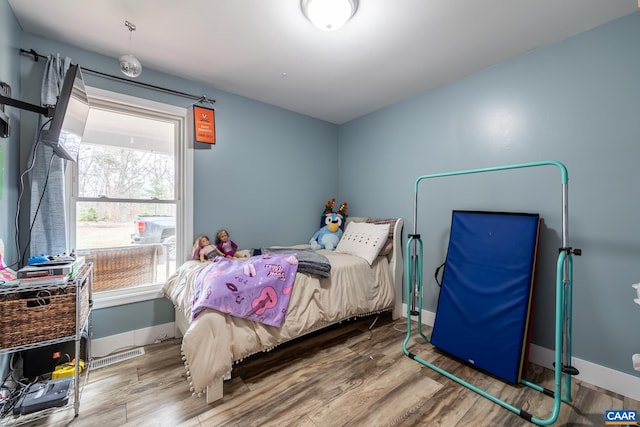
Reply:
x=204, y=122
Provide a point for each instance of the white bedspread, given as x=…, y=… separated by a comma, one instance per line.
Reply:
x=214, y=340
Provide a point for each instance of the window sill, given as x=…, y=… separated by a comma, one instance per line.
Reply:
x=118, y=297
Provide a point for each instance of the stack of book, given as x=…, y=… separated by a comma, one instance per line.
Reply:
x=49, y=274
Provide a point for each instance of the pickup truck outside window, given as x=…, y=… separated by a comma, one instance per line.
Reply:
x=153, y=229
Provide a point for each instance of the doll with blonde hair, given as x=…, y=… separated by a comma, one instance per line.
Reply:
x=226, y=246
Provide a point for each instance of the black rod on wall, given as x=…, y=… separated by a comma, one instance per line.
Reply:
x=203, y=98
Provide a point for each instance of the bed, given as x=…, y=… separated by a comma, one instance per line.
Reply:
x=213, y=341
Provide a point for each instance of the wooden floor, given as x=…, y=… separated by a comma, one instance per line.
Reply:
x=341, y=377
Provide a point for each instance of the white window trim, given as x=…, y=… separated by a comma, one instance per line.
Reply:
x=126, y=296
x=185, y=196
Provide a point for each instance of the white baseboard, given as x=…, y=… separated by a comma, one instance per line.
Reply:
x=597, y=375
x=101, y=347
x=607, y=378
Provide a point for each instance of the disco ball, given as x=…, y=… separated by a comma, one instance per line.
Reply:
x=130, y=66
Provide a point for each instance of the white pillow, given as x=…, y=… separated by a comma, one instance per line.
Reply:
x=363, y=240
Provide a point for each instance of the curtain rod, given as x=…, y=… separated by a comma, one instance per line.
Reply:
x=202, y=98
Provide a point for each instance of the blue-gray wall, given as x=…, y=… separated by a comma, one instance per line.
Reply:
x=127, y=317
x=9, y=42
x=9, y=73
x=576, y=102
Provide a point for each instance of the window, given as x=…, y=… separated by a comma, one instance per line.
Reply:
x=127, y=204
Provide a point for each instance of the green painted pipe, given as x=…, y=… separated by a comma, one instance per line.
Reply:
x=564, y=275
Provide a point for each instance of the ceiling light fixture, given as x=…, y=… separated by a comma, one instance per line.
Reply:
x=129, y=64
x=329, y=15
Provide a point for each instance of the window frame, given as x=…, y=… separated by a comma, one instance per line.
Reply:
x=100, y=98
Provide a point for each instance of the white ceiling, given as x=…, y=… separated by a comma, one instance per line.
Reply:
x=268, y=51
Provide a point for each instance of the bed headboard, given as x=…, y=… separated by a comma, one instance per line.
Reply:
x=395, y=257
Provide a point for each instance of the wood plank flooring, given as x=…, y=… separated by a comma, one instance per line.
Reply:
x=344, y=376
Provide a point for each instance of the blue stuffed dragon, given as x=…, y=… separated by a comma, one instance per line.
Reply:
x=329, y=235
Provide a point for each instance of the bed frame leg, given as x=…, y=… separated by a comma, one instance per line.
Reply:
x=214, y=391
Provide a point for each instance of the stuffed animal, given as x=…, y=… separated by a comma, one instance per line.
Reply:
x=328, y=236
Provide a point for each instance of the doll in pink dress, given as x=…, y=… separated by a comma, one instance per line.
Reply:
x=203, y=250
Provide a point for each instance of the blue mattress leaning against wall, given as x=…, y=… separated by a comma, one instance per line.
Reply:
x=487, y=285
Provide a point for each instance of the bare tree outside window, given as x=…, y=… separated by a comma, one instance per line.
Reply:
x=125, y=198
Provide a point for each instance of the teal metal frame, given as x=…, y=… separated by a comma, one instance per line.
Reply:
x=563, y=312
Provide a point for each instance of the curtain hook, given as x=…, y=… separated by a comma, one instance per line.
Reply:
x=203, y=99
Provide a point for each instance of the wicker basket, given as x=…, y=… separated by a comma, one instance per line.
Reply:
x=123, y=267
x=38, y=315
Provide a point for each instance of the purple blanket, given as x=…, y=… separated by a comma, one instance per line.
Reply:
x=256, y=288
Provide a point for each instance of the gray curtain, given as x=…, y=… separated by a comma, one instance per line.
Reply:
x=48, y=210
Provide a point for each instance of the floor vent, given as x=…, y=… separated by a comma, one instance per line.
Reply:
x=120, y=357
